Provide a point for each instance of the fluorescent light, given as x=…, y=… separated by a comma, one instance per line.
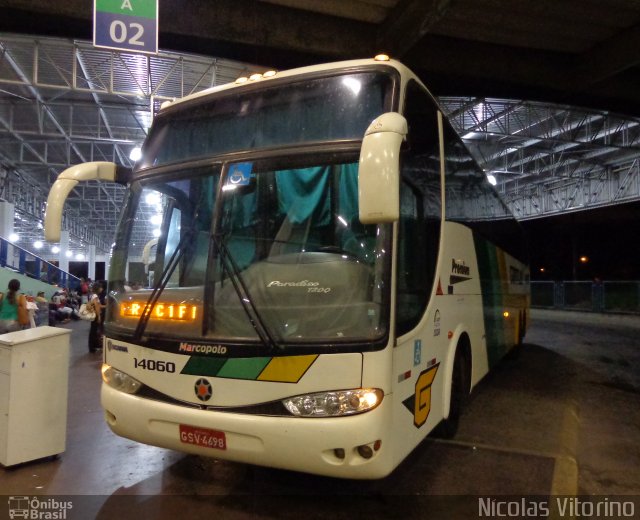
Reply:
x=135, y=154
x=492, y=180
x=38, y=244
x=13, y=237
x=152, y=198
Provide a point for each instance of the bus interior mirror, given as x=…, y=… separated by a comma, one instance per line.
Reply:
x=66, y=181
x=379, y=169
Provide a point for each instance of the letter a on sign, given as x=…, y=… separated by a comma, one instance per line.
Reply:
x=126, y=5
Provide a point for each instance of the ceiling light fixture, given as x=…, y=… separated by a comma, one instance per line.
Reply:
x=136, y=154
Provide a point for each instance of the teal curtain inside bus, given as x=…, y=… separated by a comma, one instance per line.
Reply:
x=315, y=207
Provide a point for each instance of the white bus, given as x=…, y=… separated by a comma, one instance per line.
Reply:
x=332, y=274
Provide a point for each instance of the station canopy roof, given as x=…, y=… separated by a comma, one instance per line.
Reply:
x=64, y=102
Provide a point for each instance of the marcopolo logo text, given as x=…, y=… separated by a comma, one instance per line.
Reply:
x=202, y=349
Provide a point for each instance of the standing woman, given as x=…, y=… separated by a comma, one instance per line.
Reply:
x=13, y=309
x=96, y=324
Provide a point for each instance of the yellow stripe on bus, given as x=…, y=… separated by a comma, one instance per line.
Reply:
x=288, y=369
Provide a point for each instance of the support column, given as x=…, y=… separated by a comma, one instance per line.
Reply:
x=7, y=216
x=63, y=259
x=107, y=264
x=92, y=262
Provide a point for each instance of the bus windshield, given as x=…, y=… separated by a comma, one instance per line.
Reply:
x=268, y=252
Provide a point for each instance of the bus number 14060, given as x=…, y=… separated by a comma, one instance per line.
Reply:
x=152, y=364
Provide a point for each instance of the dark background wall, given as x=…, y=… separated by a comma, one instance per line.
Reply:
x=609, y=238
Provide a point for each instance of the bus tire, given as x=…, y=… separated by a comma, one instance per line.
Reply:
x=460, y=378
x=516, y=350
x=523, y=328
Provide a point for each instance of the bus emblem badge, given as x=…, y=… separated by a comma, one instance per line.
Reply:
x=203, y=389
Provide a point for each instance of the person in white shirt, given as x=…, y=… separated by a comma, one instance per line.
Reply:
x=95, y=331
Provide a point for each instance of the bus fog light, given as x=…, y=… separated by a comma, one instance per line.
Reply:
x=365, y=451
x=334, y=404
x=119, y=380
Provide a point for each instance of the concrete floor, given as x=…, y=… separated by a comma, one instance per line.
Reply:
x=602, y=384
x=561, y=418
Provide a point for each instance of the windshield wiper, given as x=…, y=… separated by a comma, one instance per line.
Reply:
x=231, y=267
x=160, y=286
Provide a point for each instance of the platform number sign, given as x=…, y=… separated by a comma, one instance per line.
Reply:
x=130, y=25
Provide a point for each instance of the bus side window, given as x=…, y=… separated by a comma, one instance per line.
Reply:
x=420, y=210
x=417, y=255
x=172, y=240
x=474, y=202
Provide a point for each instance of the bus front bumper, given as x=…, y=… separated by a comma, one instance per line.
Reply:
x=355, y=446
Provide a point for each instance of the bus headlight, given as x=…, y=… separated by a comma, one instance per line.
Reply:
x=119, y=380
x=334, y=404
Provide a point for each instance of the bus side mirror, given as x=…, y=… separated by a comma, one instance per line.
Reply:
x=146, y=253
x=66, y=181
x=379, y=170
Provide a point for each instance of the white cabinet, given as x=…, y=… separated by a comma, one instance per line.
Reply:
x=34, y=379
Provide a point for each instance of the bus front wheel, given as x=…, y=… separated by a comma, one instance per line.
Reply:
x=459, y=392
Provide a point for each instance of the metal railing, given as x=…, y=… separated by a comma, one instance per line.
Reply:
x=604, y=296
x=27, y=263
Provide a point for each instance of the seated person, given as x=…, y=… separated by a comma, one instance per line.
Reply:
x=64, y=310
x=43, y=309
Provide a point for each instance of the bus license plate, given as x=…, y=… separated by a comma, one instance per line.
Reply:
x=203, y=437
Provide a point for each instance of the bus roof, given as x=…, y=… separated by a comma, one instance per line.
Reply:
x=270, y=75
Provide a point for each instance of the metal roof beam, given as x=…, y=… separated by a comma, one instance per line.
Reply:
x=103, y=117
x=39, y=99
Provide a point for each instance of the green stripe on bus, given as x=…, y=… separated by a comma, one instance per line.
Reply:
x=142, y=8
x=202, y=366
x=243, y=368
x=491, y=285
